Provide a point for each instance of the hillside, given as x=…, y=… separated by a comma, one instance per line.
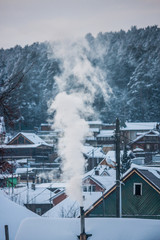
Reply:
x=129, y=62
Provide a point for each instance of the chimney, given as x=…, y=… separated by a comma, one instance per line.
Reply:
x=83, y=235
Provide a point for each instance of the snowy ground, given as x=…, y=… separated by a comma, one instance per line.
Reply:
x=26, y=225
x=100, y=228
x=12, y=214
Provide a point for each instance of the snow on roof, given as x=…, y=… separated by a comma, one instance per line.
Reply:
x=40, y=195
x=112, y=155
x=46, y=124
x=138, y=150
x=23, y=170
x=11, y=214
x=148, y=134
x=94, y=122
x=95, y=152
x=70, y=208
x=139, y=125
x=94, y=129
x=23, y=146
x=106, y=181
x=151, y=173
x=5, y=176
x=60, y=185
x=100, y=228
x=35, y=139
x=106, y=133
x=91, y=138
x=66, y=208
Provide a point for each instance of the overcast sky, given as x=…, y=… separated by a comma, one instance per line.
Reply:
x=26, y=21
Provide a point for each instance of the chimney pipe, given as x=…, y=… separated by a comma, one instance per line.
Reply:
x=83, y=235
x=82, y=220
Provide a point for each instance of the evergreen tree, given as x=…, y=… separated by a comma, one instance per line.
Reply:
x=125, y=161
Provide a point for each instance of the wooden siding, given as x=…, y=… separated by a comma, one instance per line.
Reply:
x=20, y=139
x=145, y=206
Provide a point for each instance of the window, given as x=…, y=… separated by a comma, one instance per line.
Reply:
x=137, y=189
x=89, y=188
x=148, y=146
x=38, y=211
x=155, y=146
x=84, y=188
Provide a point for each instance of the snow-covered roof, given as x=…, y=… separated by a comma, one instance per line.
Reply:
x=23, y=170
x=138, y=150
x=4, y=146
x=94, y=122
x=40, y=195
x=59, y=185
x=151, y=173
x=35, y=139
x=106, y=133
x=150, y=133
x=139, y=126
x=112, y=155
x=46, y=124
x=70, y=208
x=107, y=181
x=94, y=129
x=100, y=228
x=5, y=176
x=91, y=151
x=91, y=138
x=12, y=214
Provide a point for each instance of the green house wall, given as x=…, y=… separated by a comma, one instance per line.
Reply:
x=145, y=206
x=11, y=181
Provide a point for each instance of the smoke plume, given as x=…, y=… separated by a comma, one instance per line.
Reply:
x=77, y=85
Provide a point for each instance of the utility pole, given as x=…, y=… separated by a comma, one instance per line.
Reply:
x=27, y=185
x=12, y=179
x=118, y=189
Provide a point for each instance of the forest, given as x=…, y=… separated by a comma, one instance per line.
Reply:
x=128, y=60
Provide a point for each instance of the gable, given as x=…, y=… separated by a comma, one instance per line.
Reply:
x=150, y=136
x=20, y=139
x=148, y=204
x=90, y=181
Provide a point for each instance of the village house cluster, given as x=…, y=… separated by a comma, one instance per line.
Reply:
x=31, y=171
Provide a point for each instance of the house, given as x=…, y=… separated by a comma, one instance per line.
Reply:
x=36, y=198
x=94, y=183
x=8, y=180
x=105, y=138
x=99, y=179
x=131, y=129
x=59, y=197
x=93, y=156
x=146, y=145
x=140, y=196
x=70, y=208
x=101, y=134
x=26, y=145
x=149, y=141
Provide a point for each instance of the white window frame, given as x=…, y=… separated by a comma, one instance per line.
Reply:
x=148, y=146
x=39, y=211
x=134, y=189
